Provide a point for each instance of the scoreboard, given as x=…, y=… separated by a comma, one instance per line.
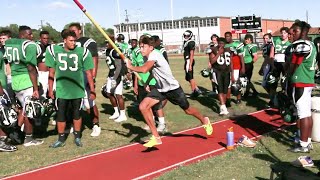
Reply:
x=250, y=23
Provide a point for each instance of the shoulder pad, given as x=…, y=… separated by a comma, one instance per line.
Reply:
x=302, y=46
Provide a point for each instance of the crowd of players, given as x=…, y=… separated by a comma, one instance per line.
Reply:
x=66, y=74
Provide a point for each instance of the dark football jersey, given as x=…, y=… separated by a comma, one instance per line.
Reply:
x=42, y=55
x=266, y=49
x=223, y=61
x=88, y=43
x=163, y=52
x=187, y=47
x=113, y=58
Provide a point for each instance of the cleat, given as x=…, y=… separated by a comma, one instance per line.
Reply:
x=161, y=128
x=96, y=130
x=114, y=116
x=208, y=127
x=303, y=161
x=32, y=142
x=78, y=142
x=121, y=119
x=57, y=144
x=153, y=142
x=244, y=141
x=7, y=147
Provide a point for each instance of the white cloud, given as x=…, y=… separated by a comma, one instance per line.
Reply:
x=58, y=5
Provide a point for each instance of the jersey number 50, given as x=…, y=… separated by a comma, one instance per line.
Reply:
x=12, y=55
x=64, y=64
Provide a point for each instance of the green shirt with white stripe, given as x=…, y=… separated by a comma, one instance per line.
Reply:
x=21, y=53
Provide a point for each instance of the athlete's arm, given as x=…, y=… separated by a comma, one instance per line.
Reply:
x=143, y=69
x=91, y=84
x=191, y=59
x=34, y=79
x=215, y=55
x=50, y=82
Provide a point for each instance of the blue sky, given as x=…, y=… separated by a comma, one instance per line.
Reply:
x=60, y=12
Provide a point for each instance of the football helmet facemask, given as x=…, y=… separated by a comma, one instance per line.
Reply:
x=236, y=88
x=33, y=108
x=243, y=81
x=8, y=116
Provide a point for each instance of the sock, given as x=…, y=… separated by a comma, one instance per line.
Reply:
x=61, y=137
x=76, y=134
x=309, y=140
x=96, y=123
x=161, y=120
x=223, y=107
x=304, y=144
x=116, y=110
x=122, y=112
x=28, y=137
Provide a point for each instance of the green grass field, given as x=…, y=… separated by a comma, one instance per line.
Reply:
x=238, y=164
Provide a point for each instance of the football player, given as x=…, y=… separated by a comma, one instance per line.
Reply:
x=301, y=74
x=122, y=44
x=222, y=66
x=211, y=46
x=250, y=56
x=42, y=68
x=277, y=56
x=266, y=65
x=114, y=85
x=66, y=65
x=160, y=47
x=21, y=54
x=189, y=46
x=5, y=35
x=90, y=105
x=237, y=61
x=147, y=81
x=167, y=88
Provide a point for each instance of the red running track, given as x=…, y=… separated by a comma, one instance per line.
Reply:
x=133, y=162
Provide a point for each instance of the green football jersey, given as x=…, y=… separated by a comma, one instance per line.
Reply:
x=138, y=60
x=124, y=48
x=20, y=53
x=306, y=70
x=279, y=49
x=3, y=77
x=69, y=67
x=235, y=47
x=248, y=51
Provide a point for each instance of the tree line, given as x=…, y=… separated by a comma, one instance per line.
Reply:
x=89, y=29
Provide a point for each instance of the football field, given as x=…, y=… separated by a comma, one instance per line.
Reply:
x=241, y=163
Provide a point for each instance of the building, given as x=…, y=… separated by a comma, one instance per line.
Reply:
x=203, y=27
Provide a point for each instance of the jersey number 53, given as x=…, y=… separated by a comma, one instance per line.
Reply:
x=64, y=59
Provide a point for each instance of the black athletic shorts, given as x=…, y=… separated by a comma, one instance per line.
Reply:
x=189, y=74
x=176, y=97
x=223, y=81
x=65, y=105
x=142, y=93
x=249, y=70
x=279, y=67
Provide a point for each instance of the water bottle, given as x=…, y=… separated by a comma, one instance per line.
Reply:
x=230, y=139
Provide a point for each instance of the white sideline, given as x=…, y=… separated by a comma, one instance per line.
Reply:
x=111, y=150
